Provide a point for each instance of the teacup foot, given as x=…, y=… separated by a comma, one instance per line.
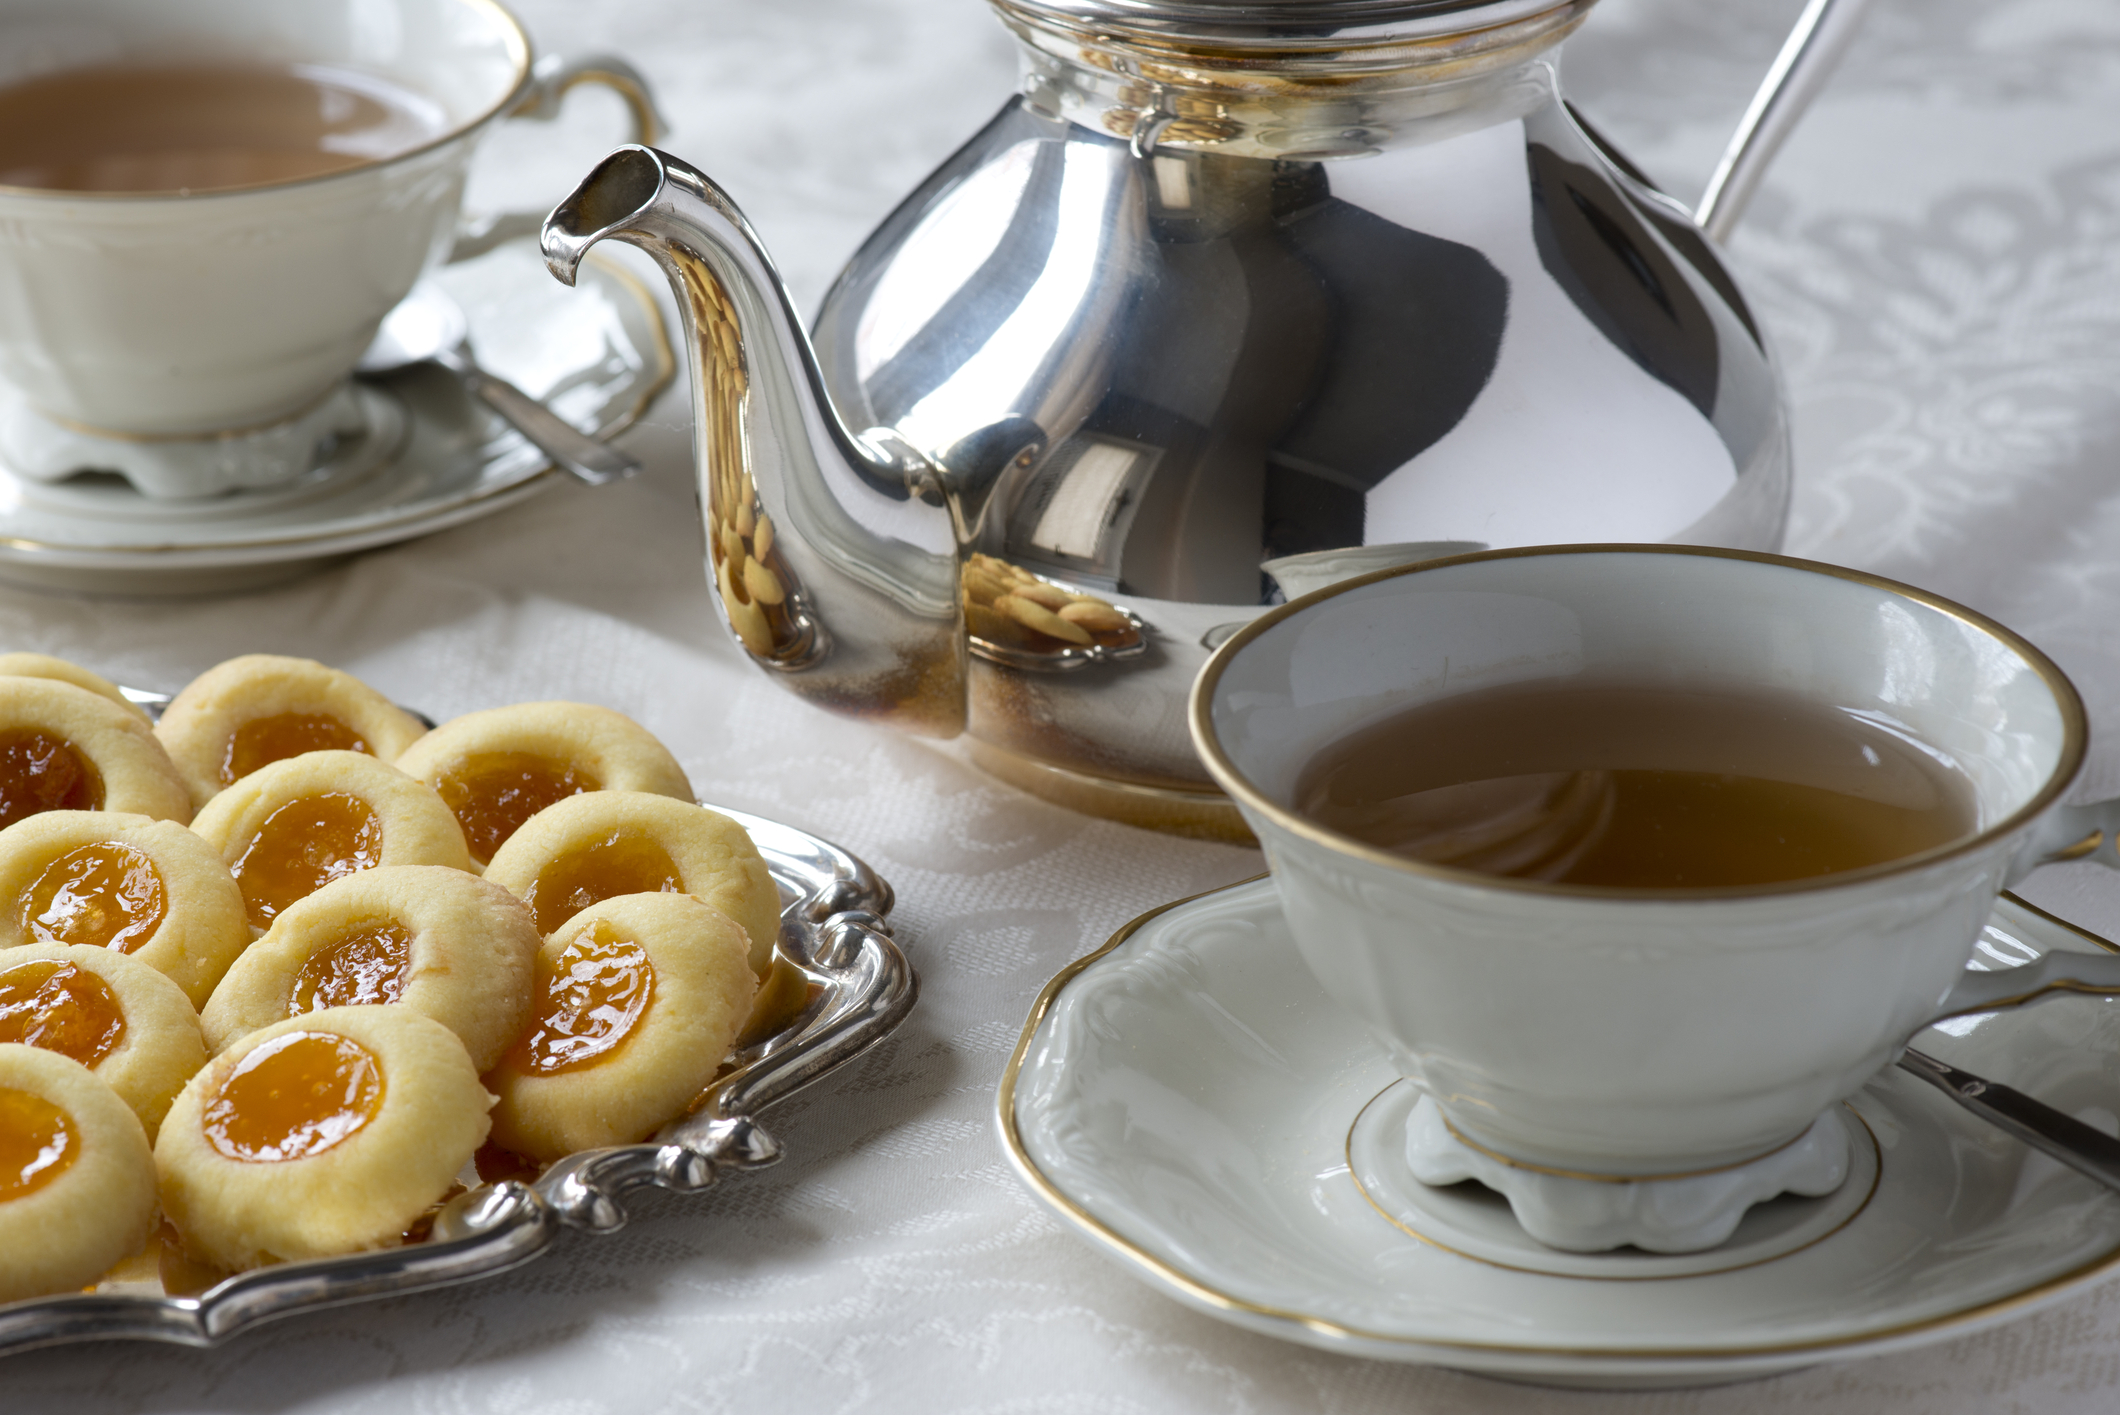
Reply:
x=1406, y=1158
x=43, y=449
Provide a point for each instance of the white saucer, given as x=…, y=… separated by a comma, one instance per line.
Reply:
x=1185, y=1097
x=433, y=458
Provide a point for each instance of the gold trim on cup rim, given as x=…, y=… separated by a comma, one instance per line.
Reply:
x=2074, y=741
x=1209, y=1297
x=513, y=36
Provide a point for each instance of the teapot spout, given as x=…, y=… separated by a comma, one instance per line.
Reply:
x=834, y=558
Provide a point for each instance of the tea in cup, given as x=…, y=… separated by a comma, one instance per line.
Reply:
x=1637, y=859
x=206, y=209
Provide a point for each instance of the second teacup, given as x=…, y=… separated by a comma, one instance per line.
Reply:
x=188, y=314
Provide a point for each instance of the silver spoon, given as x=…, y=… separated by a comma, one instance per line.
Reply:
x=429, y=327
x=2049, y=1131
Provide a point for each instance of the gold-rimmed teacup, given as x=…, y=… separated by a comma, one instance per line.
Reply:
x=1642, y=1034
x=197, y=340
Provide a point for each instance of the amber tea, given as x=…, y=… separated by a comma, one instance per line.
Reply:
x=1638, y=786
x=202, y=127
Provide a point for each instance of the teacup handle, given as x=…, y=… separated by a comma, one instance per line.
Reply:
x=2097, y=973
x=550, y=81
x=555, y=76
x=2068, y=833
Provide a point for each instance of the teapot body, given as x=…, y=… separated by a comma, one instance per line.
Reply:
x=1191, y=377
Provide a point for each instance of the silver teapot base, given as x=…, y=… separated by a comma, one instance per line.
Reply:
x=1205, y=814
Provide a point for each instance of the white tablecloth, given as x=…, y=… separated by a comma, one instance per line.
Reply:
x=1936, y=257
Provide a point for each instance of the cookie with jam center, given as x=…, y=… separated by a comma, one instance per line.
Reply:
x=64, y=748
x=600, y=845
x=437, y=940
x=496, y=769
x=262, y=708
x=121, y=1019
x=638, y=1001
x=150, y=889
x=288, y=829
x=77, y=1179
x=43, y=665
x=327, y=1133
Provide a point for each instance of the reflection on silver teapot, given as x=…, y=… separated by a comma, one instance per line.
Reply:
x=1230, y=301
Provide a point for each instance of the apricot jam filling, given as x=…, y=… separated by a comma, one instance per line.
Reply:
x=493, y=793
x=369, y=965
x=592, y=1000
x=265, y=740
x=102, y=893
x=56, y=1006
x=37, y=1143
x=40, y=772
x=620, y=863
x=303, y=846
x=295, y=1096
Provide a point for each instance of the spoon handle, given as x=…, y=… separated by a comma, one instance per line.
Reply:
x=2062, y=1137
x=571, y=449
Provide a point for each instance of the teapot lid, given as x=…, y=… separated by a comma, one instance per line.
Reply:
x=1286, y=24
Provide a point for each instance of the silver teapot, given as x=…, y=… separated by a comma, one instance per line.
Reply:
x=1234, y=298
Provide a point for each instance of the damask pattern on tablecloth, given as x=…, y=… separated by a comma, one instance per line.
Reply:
x=1936, y=257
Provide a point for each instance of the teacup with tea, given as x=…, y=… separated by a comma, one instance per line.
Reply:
x=1639, y=859
x=206, y=210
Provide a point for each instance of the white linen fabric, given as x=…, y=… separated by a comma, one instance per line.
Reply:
x=1936, y=256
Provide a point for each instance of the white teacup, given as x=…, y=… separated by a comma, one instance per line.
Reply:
x=178, y=324
x=1648, y=1034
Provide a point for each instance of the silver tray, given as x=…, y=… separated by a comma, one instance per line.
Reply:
x=832, y=909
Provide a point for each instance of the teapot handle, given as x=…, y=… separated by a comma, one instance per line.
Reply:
x=1807, y=59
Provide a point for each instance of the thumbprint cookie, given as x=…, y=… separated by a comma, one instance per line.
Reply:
x=64, y=748
x=439, y=941
x=498, y=768
x=638, y=1001
x=288, y=829
x=115, y=1015
x=597, y=846
x=326, y=1133
x=77, y=1180
x=261, y=708
x=147, y=888
x=43, y=665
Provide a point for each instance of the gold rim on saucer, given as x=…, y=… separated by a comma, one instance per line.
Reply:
x=1148, y=1265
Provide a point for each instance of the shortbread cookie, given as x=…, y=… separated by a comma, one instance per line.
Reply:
x=327, y=1133
x=77, y=1180
x=437, y=940
x=64, y=748
x=639, y=999
x=148, y=888
x=115, y=1015
x=43, y=665
x=496, y=769
x=288, y=829
x=261, y=708
x=607, y=843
